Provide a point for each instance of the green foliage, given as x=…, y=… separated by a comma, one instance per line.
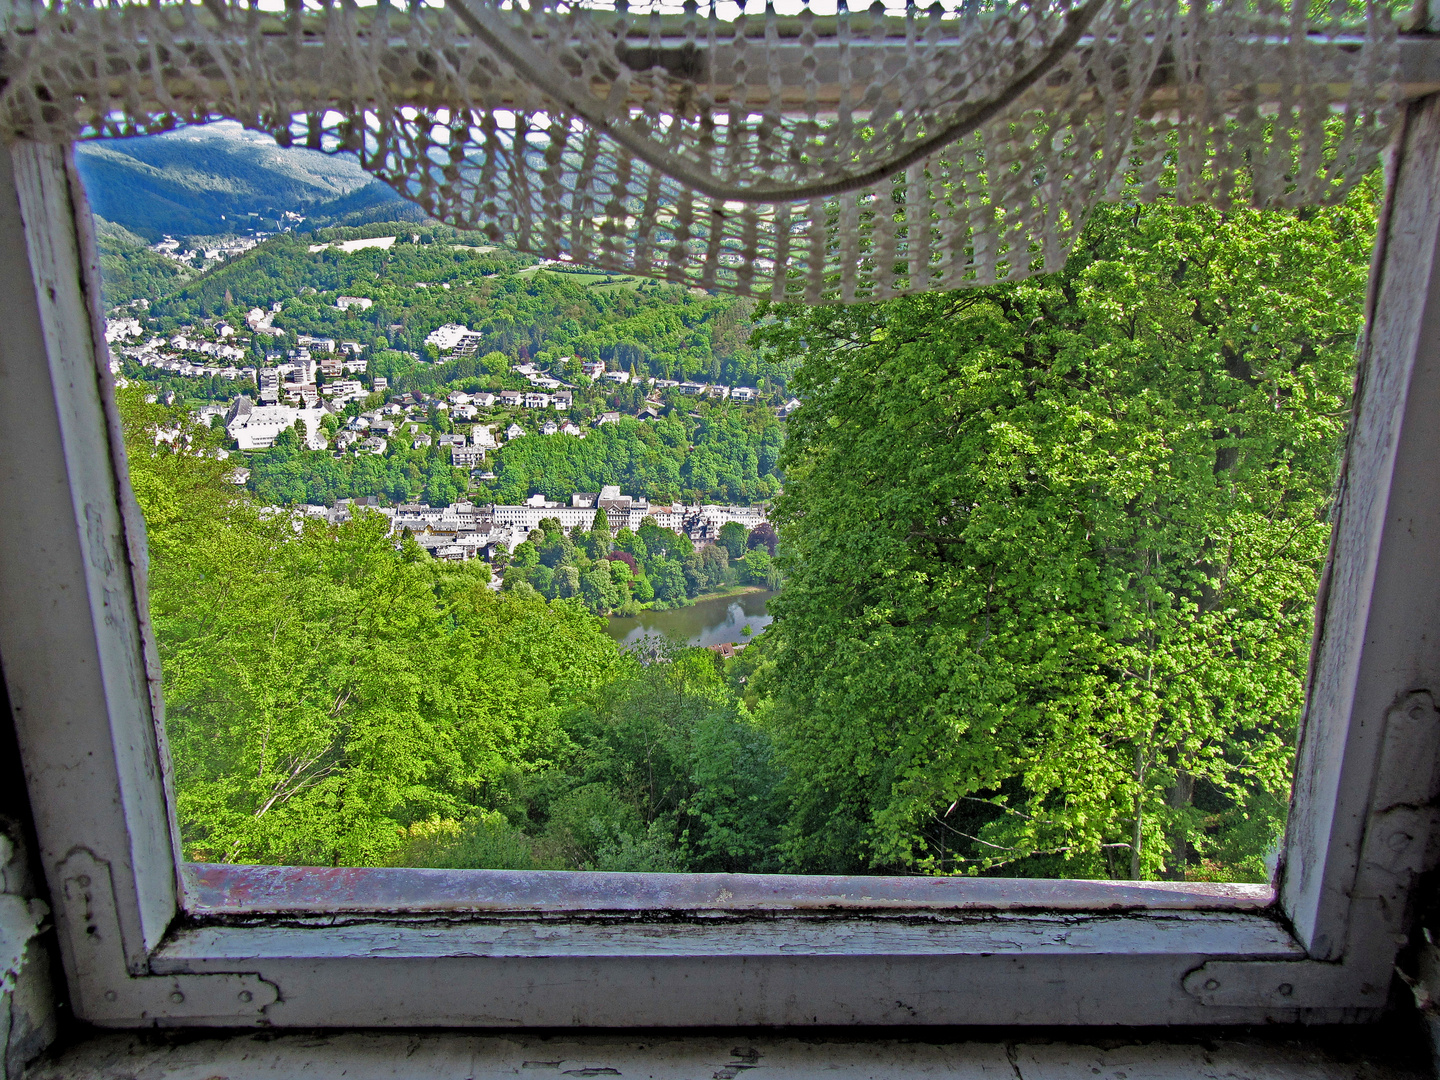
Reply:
x=1052, y=551
x=326, y=687
x=288, y=474
x=717, y=458
x=732, y=538
x=129, y=270
x=1049, y=555
x=434, y=275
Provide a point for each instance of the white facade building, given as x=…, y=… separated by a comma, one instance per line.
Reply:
x=256, y=427
x=447, y=337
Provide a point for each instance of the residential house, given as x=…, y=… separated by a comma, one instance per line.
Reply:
x=562, y=400
x=345, y=303
x=536, y=399
x=514, y=431
x=549, y=428
x=607, y=418
x=466, y=457
x=512, y=399
x=269, y=384
x=744, y=393
x=593, y=368
x=485, y=401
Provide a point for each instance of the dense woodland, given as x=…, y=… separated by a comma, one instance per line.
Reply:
x=1050, y=555
x=722, y=454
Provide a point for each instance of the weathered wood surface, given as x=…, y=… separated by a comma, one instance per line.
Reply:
x=728, y=971
x=755, y=1056
x=239, y=890
x=1378, y=617
x=69, y=631
x=222, y=948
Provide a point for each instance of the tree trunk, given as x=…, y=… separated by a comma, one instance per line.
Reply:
x=1139, y=818
x=1180, y=796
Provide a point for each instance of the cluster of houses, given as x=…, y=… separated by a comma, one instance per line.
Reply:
x=295, y=377
x=452, y=339
x=467, y=530
x=226, y=249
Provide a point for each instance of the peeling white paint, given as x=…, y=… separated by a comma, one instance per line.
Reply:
x=20, y=922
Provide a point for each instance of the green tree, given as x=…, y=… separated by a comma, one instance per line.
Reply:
x=1052, y=550
x=732, y=538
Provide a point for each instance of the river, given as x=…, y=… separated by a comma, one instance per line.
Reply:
x=705, y=622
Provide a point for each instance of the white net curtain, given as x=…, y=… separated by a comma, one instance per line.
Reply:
x=807, y=153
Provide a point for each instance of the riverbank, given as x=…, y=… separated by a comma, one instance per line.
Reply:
x=714, y=594
x=710, y=620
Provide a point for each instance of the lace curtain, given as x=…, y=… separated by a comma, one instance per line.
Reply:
x=808, y=155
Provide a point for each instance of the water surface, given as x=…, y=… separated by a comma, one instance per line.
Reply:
x=706, y=622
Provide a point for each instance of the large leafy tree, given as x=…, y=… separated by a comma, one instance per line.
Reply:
x=1053, y=548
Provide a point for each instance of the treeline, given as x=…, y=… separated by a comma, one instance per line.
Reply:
x=289, y=474
x=284, y=269
x=652, y=565
x=728, y=455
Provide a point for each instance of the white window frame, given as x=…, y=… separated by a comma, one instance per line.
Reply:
x=146, y=940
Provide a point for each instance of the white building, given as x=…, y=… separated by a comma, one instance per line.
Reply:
x=345, y=303
x=447, y=337
x=119, y=329
x=256, y=427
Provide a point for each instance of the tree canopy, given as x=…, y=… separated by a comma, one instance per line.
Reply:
x=1052, y=550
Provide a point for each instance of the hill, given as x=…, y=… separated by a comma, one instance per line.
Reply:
x=214, y=180
x=130, y=270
